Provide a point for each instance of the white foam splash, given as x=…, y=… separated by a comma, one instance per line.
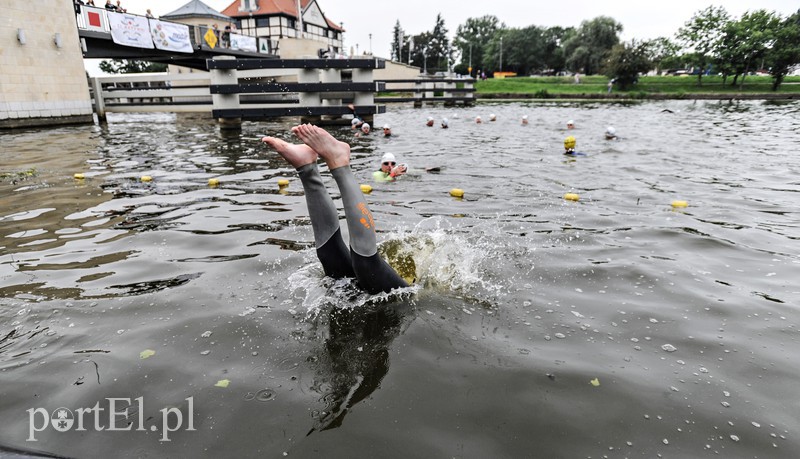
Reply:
x=446, y=260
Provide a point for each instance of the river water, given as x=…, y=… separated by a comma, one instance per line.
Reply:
x=614, y=326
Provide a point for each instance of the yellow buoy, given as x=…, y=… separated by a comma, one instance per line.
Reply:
x=571, y=197
x=79, y=176
x=147, y=178
x=366, y=189
x=457, y=193
x=213, y=182
x=680, y=204
x=283, y=182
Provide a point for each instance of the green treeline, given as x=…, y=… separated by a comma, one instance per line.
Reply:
x=711, y=42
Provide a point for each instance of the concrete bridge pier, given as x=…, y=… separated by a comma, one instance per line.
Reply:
x=226, y=101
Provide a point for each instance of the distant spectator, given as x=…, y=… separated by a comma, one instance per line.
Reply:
x=226, y=37
x=110, y=6
x=149, y=14
x=120, y=9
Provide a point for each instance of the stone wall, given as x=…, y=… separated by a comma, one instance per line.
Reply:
x=40, y=83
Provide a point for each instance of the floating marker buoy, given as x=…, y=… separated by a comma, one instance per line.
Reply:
x=366, y=189
x=457, y=193
x=78, y=176
x=147, y=178
x=571, y=197
x=283, y=182
x=680, y=204
x=213, y=182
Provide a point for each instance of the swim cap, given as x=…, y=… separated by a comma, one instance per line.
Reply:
x=611, y=131
x=430, y=118
x=569, y=142
x=388, y=157
x=524, y=117
x=386, y=126
x=492, y=117
x=570, y=123
x=444, y=122
x=365, y=126
x=355, y=121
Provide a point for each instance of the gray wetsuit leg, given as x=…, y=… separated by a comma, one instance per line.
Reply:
x=372, y=272
x=331, y=249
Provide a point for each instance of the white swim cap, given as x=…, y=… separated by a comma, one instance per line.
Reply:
x=355, y=121
x=365, y=126
x=444, y=121
x=388, y=157
x=570, y=122
x=430, y=118
x=524, y=117
x=611, y=131
x=492, y=117
x=386, y=126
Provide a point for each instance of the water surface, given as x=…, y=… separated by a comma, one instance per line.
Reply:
x=613, y=326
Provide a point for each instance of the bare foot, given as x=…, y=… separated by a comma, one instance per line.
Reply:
x=334, y=152
x=297, y=155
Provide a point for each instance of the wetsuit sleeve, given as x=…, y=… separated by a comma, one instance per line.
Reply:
x=331, y=249
x=372, y=272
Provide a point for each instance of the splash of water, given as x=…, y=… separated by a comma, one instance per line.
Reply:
x=438, y=258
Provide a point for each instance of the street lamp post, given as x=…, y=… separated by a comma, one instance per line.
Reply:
x=501, y=54
x=425, y=60
x=470, y=60
x=370, y=44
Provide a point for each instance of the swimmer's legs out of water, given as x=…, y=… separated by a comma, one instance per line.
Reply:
x=371, y=271
x=331, y=249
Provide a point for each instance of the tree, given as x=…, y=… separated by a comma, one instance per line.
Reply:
x=472, y=38
x=745, y=42
x=438, y=49
x=661, y=51
x=592, y=42
x=554, y=57
x=131, y=66
x=702, y=34
x=398, y=38
x=785, y=52
x=626, y=61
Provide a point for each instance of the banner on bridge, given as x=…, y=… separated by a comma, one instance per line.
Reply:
x=243, y=42
x=171, y=36
x=130, y=30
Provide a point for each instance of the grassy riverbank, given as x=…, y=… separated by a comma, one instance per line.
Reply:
x=648, y=87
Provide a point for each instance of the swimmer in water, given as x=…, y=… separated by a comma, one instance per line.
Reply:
x=569, y=147
x=361, y=261
x=611, y=133
x=365, y=127
x=524, y=119
x=429, y=121
x=570, y=124
x=389, y=170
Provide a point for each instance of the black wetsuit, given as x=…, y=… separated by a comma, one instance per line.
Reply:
x=361, y=260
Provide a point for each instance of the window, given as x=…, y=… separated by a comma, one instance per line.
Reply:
x=262, y=22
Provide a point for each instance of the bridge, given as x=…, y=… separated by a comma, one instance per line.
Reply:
x=241, y=83
x=190, y=46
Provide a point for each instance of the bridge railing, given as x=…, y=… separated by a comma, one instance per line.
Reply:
x=420, y=91
x=249, y=89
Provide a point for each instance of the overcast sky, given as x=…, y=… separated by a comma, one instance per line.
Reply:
x=640, y=19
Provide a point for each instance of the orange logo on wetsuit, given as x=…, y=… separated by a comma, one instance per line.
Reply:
x=368, y=222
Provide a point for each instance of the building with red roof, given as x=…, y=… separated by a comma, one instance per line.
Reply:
x=272, y=21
